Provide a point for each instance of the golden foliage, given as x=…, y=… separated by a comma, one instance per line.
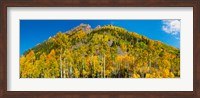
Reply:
x=106, y=52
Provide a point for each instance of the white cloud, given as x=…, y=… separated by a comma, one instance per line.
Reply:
x=171, y=26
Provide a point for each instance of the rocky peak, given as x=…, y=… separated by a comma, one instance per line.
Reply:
x=85, y=27
x=98, y=27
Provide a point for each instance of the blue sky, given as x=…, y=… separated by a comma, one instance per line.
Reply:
x=33, y=32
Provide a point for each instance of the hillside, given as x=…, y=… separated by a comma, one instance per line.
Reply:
x=102, y=52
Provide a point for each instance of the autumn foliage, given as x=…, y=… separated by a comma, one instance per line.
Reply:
x=104, y=52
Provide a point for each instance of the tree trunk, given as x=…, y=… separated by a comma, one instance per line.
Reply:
x=91, y=66
x=61, y=63
x=101, y=67
x=83, y=69
x=64, y=70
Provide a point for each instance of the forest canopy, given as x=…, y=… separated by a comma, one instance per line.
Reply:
x=103, y=52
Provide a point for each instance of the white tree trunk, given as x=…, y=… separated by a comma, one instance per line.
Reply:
x=61, y=63
x=64, y=70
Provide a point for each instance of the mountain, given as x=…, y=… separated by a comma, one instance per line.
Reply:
x=103, y=52
x=84, y=27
